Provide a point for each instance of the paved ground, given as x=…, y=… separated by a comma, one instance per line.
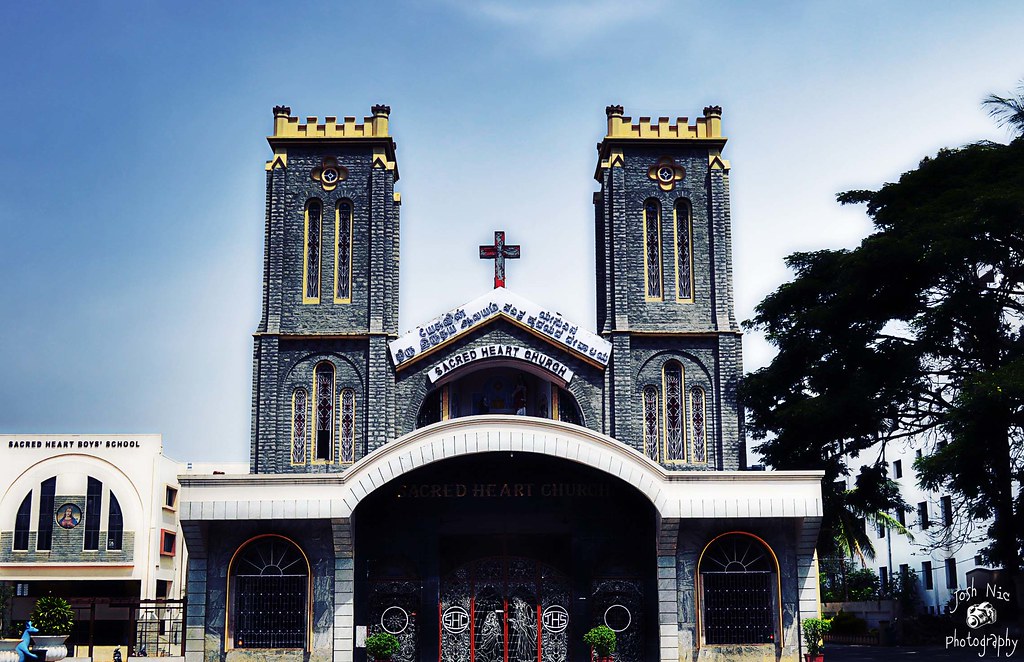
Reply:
x=841, y=653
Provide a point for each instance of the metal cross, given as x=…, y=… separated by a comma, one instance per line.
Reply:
x=499, y=252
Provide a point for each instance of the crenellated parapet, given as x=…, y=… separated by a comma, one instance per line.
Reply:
x=289, y=129
x=286, y=126
x=708, y=127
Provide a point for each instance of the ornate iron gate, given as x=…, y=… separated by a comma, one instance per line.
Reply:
x=504, y=609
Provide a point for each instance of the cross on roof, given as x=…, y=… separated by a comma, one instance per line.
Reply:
x=499, y=252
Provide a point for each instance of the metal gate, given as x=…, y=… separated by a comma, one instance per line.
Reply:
x=504, y=609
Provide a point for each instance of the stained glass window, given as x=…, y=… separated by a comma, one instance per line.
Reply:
x=675, y=448
x=652, y=248
x=324, y=381
x=698, y=424
x=299, y=407
x=684, y=259
x=314, y=217
x=348, y=424
x=651, y=428
x=343, y=262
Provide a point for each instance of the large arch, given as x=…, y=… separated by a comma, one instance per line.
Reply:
x=503, y=433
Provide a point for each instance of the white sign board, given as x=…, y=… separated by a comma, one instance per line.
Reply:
x=501, y=351
x=501, y=302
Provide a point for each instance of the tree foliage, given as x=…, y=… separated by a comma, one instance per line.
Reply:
x=914, y=334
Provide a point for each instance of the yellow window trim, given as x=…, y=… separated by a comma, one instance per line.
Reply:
x=337, y=233
x=704, y=417
x=312, y=428
x=645, y=429
x=291, y=455
x=675, y=229
x=305, y=251
x=661, y=274
x=664, y=412
x=341, y=412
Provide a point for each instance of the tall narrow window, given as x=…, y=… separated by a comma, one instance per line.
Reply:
x=675, y=447
x=343, y=253
x=698, y=424
x=22, y=523
x=93, y=513
x=947, y=511
x=926, y=575
x=299, y=408
x=951, y=580
x=47, y=492
x=311, y=266
x=348, y=425
x=652, y=249
x=115, y=524
x=684, y=251
x=922, y=515
x=652, y=430
x=324, y=395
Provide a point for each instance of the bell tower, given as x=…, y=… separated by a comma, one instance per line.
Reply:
x=664, y=290
x=323, y=387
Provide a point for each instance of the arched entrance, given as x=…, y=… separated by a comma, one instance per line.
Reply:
x=269, y=596
x=506, y=556
x=499, y=387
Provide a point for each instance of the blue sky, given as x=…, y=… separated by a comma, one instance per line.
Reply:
x=131, y=186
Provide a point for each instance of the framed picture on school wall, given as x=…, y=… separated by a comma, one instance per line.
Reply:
x=68, y=516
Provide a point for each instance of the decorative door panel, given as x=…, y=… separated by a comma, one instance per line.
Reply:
x=504, y=609
x=393, y=608
x=617, y=603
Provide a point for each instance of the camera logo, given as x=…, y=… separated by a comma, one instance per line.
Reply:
x=980, y=615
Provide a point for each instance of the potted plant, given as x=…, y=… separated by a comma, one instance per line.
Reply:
x=54, y=618
x=382, y=645
x=815, y=630
x=602, y=640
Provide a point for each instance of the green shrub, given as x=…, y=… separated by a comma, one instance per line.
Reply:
x=601, y=639
x=814, y=630
x=847, y=623
x=382, y=645
x=52, y=615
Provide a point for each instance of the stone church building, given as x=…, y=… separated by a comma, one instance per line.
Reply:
x=492, y=484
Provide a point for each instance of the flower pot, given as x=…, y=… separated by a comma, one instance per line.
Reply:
x=53, y=644
x=605, y=658
x=820, y=657
x=8, y=652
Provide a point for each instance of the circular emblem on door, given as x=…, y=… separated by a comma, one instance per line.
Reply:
x=555, y=618
x=455, y=619
x=617, y=617
x=394, y=620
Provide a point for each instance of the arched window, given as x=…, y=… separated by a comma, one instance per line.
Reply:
x=684, y=251
x=300, y=405
x=739, y=591
x=93, y=513
x=348, y=425
x=343, y=253
x=323, y=389
x=22, y=523
x=115, y=524
x=652, y=430
x=675, y=443
x=652, y=249
x=269, y=587
x=566, y=407
x=311, y=263
x=698, y=424
x=47, y=493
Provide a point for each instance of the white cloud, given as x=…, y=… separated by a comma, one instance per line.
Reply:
x=556, y=27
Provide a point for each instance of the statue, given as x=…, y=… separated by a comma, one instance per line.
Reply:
x=24, y=653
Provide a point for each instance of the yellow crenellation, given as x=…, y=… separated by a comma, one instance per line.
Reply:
x=374, y=126
x=708, y=126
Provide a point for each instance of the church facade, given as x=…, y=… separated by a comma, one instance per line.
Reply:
x=493, y=483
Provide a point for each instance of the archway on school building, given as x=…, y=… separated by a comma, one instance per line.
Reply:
x=506, y=556
x=499, y=387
